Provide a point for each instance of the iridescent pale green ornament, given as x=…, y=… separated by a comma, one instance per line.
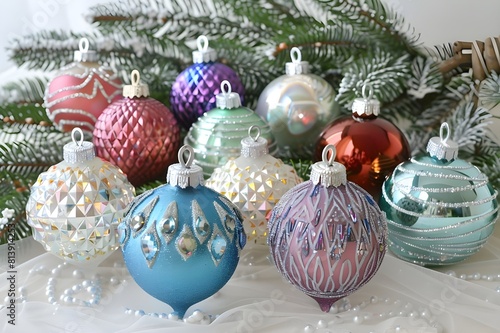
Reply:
x=217, y=135
x=297, y=106
x=254, y=182
x=440, y=209
x=75, y=206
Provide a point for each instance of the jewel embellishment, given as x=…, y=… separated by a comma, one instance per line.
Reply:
x=123, y=233
x=201, y=225
x=217, y=246
x=150, y=245
x=169, y=223
x=139, y=221
x=186, y=243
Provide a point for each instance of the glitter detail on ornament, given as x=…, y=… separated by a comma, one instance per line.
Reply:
x=186, y=243
x=200, y=224
x=169, y=222
x=139, y=221
x=150, y=245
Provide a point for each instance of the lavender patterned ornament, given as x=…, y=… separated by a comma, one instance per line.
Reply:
x=327, y=236
x=194, y=90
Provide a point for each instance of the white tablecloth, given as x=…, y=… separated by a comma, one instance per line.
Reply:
x=401, y=298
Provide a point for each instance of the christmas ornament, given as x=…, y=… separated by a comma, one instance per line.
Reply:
x=440, y=209
x=194, y=90
x=254, y=182
x=76, y=205
x=297, y=106
x=181, y=241
x=327, y=236
x=80, y=91
x=216, y=137
x=138, y=134
x=368, y=146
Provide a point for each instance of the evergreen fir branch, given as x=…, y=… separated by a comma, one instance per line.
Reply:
x=387, y=75
x=14, y=193
x=425, y=78
x=489, y=91
x=402, y=109
x=444, y=104
x=302, y=167
x=469, y=124
x=373, y=17
x=24, y=113
x=25, y=90
x=148, y=186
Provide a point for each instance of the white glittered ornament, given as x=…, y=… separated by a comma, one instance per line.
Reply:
x=254, y=182
x=76, y=205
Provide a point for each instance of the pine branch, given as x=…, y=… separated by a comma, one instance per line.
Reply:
x=24, y=113
x=386, y=74
x=425, y=78
x=489, y=91
x=26, y=90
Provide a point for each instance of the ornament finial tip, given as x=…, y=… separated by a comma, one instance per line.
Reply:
x=202, y=43
x=78, y=130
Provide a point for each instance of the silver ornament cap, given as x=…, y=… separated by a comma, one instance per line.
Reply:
x=136, y=89
x=227, y=99
x=297, y=66
x=328, y=172
x=204, y=53
x=83, y=54
x=367, y=105
x=442, y=147
x=78, y=151
x=254, y=147
x=185, y=173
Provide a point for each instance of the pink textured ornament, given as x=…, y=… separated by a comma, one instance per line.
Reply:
x=138, y=134
x=80, y=91
x=327, y=236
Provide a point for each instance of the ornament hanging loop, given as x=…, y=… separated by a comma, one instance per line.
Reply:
x=202, y=43
x=444, y=127
x=367, y=91
x=135, y=77
x=78, y=130
x=225, y=87
x=333, y=152
x=180, y=155
x=295, y=55
x=251, y=129
x=83, y=45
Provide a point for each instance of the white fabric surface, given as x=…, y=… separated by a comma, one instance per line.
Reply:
x=257, y=299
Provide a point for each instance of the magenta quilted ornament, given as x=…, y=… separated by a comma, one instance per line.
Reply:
x=138, y=134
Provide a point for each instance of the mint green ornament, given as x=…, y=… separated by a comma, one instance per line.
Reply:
x=216, y=136
x=440, y=209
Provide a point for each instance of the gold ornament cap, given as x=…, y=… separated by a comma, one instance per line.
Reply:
x=185, y=173
x=227, y=99
x=442, y=147
x=328, y=172
x=83, y=54
x=367, y=105
x=254, y=147
x=297, y=66
x=136, y=89
x=78, y=151
x=204, y=53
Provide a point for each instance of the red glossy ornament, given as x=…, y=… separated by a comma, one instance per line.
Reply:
x=80, y=91
x=138, y=134
x=368, y=146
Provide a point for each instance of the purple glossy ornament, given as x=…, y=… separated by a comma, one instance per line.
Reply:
x=194, y=90
x=327, y=236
